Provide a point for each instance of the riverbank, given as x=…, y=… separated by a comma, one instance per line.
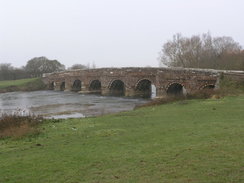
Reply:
x=31, y=84
x=184, y=141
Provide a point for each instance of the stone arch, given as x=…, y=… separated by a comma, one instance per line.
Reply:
x=52, y=85
x=143, y=88
x=95, y=86
x=62, y=86
x=117, y=88
x=207, y=87
x=76, y=85
x=176, y=89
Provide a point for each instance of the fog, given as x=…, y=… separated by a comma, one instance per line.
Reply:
x=109, y=33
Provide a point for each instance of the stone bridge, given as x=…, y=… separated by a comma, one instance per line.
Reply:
x=134, y=82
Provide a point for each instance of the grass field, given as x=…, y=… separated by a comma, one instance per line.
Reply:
x=20, y=82
x=21, y=85
x=200, y=141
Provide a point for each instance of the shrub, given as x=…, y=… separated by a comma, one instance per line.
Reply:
x=229, y=86
x=203, y=94
x=18, y=126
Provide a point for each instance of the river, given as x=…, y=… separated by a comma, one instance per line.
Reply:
x=57, y=104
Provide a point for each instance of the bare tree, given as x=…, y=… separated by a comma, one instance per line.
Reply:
x=93, y=65
x=200, y=51
x=8, y=72
x=77, y=66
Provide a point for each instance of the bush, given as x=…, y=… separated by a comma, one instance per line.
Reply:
x=229, y=86
x=204, y=94
x=18, y=126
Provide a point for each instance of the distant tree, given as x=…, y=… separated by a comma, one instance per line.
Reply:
x=39, y=65
x=8, y=72
x=20, y=73
x=202, y=51
x=88, y=65
x=6, y=66
x=93, y=65
x=77, y=66
x=231, y=61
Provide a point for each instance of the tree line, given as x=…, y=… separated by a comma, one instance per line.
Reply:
x=197, y=51
x=35, y=68
x=203, y=51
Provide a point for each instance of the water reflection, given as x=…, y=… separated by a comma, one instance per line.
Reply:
x=63, y=104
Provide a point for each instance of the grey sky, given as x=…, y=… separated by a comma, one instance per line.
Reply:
x=109, y=32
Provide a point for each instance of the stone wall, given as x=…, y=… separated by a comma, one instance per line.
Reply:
x=135, y=81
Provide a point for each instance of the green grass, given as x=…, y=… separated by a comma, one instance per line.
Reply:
x=20, y=82
x=187, y=141
x=21, y=85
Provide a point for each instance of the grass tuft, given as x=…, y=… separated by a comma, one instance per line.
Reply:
x=18, y=126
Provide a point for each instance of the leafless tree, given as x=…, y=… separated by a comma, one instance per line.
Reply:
x=202, y=51
x=77, y=66
x=8, y=72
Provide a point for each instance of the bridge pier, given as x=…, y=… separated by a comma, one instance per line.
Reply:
x=105, y=91
x=130, y=92
x=161, y=92
x=136, y=93
x=57, y=86
x=68, y=86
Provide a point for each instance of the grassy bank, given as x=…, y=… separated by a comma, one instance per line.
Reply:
x=15, y=126
x=31, y=84
x=186, y=141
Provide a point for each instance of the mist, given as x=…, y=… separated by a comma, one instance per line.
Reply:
x=109, y=33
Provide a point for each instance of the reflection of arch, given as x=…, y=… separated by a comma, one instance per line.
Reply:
x=143, y=88
x=62, y=86
x=52, y=85
x=76, y=85
x=117, y=88
x=208, y=87
x=175, y=89
x=95, y=86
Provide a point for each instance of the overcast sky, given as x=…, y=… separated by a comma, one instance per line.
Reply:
x=110, y=33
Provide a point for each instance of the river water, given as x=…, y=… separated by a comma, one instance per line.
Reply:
x=57, y=104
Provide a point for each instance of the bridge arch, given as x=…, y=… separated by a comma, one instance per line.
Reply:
x=143, y=88
x=207, y=87
x=117, y=88
x=76, y=85
x=62, y=86
x=176, y=89
x=95, y=86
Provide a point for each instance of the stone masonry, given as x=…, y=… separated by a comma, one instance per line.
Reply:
x=132, y=82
